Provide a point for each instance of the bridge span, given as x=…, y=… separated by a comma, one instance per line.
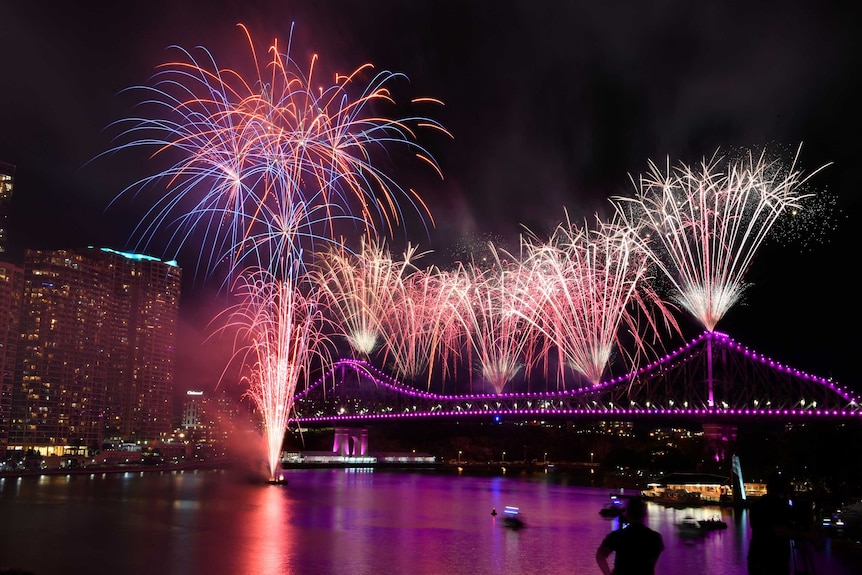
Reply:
x=711, y=378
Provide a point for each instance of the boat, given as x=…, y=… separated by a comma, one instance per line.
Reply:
x=512, y=518
x=682, y=490
x=689, y=527
x=614, y=508
x=678, y=498
x=712, y=524
x=278, y=478
x=611, y=511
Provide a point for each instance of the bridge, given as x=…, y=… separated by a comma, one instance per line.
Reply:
x=711, y=378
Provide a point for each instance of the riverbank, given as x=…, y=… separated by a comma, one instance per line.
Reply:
x=120, y=468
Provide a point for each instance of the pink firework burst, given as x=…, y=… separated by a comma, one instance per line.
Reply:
x=496, y=319
x=360, y=288
x=590, y=284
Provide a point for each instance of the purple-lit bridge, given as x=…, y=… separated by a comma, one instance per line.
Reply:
x=710, y=378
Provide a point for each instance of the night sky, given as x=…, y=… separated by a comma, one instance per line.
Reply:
x=552, y=105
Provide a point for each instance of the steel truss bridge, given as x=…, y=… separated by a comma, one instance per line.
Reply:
x=710, y=378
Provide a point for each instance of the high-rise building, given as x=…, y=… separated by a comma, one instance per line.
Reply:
x=11, y=281
x=209, y=421
x=7, y=179
x=96, y=350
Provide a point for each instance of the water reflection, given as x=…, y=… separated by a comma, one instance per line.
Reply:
x=334, y=521
x=267, y=535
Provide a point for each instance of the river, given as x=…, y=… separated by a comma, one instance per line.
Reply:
x=337, y=521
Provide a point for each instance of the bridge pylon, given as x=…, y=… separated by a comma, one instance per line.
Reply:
x=350, y=441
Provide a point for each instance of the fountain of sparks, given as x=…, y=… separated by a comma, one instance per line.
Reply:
x=280, y=333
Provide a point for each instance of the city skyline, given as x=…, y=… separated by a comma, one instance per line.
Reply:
x=526, y=145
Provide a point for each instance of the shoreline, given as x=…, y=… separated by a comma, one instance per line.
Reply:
x=124, y=468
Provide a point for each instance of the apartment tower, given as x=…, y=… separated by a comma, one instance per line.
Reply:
x=96, y=350
x=11, y=282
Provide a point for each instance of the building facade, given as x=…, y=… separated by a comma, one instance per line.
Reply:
x=96, y=351
x=11, y=282
x=212, y=422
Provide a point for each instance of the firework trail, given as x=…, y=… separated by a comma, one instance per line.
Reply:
x=257, y=156
x=704, y=224
x=493, y=316
x=588, y=285
x=421, y=330
x=360, y=288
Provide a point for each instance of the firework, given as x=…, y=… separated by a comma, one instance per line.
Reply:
x=269, y=165
x=703, y=225
x=419, y=329
x=493, y=315
x=259, y=156
x=280, y=338
x=360, y=287
x=589, y=284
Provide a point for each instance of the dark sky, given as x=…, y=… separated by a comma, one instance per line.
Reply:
x=553, y=105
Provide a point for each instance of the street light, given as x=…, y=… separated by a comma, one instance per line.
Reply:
x=459, y=456
x=504, y=457
x=546, y=457
x=591, y=457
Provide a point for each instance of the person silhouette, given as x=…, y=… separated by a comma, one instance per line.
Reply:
x=636, y=547
x=773, y=530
